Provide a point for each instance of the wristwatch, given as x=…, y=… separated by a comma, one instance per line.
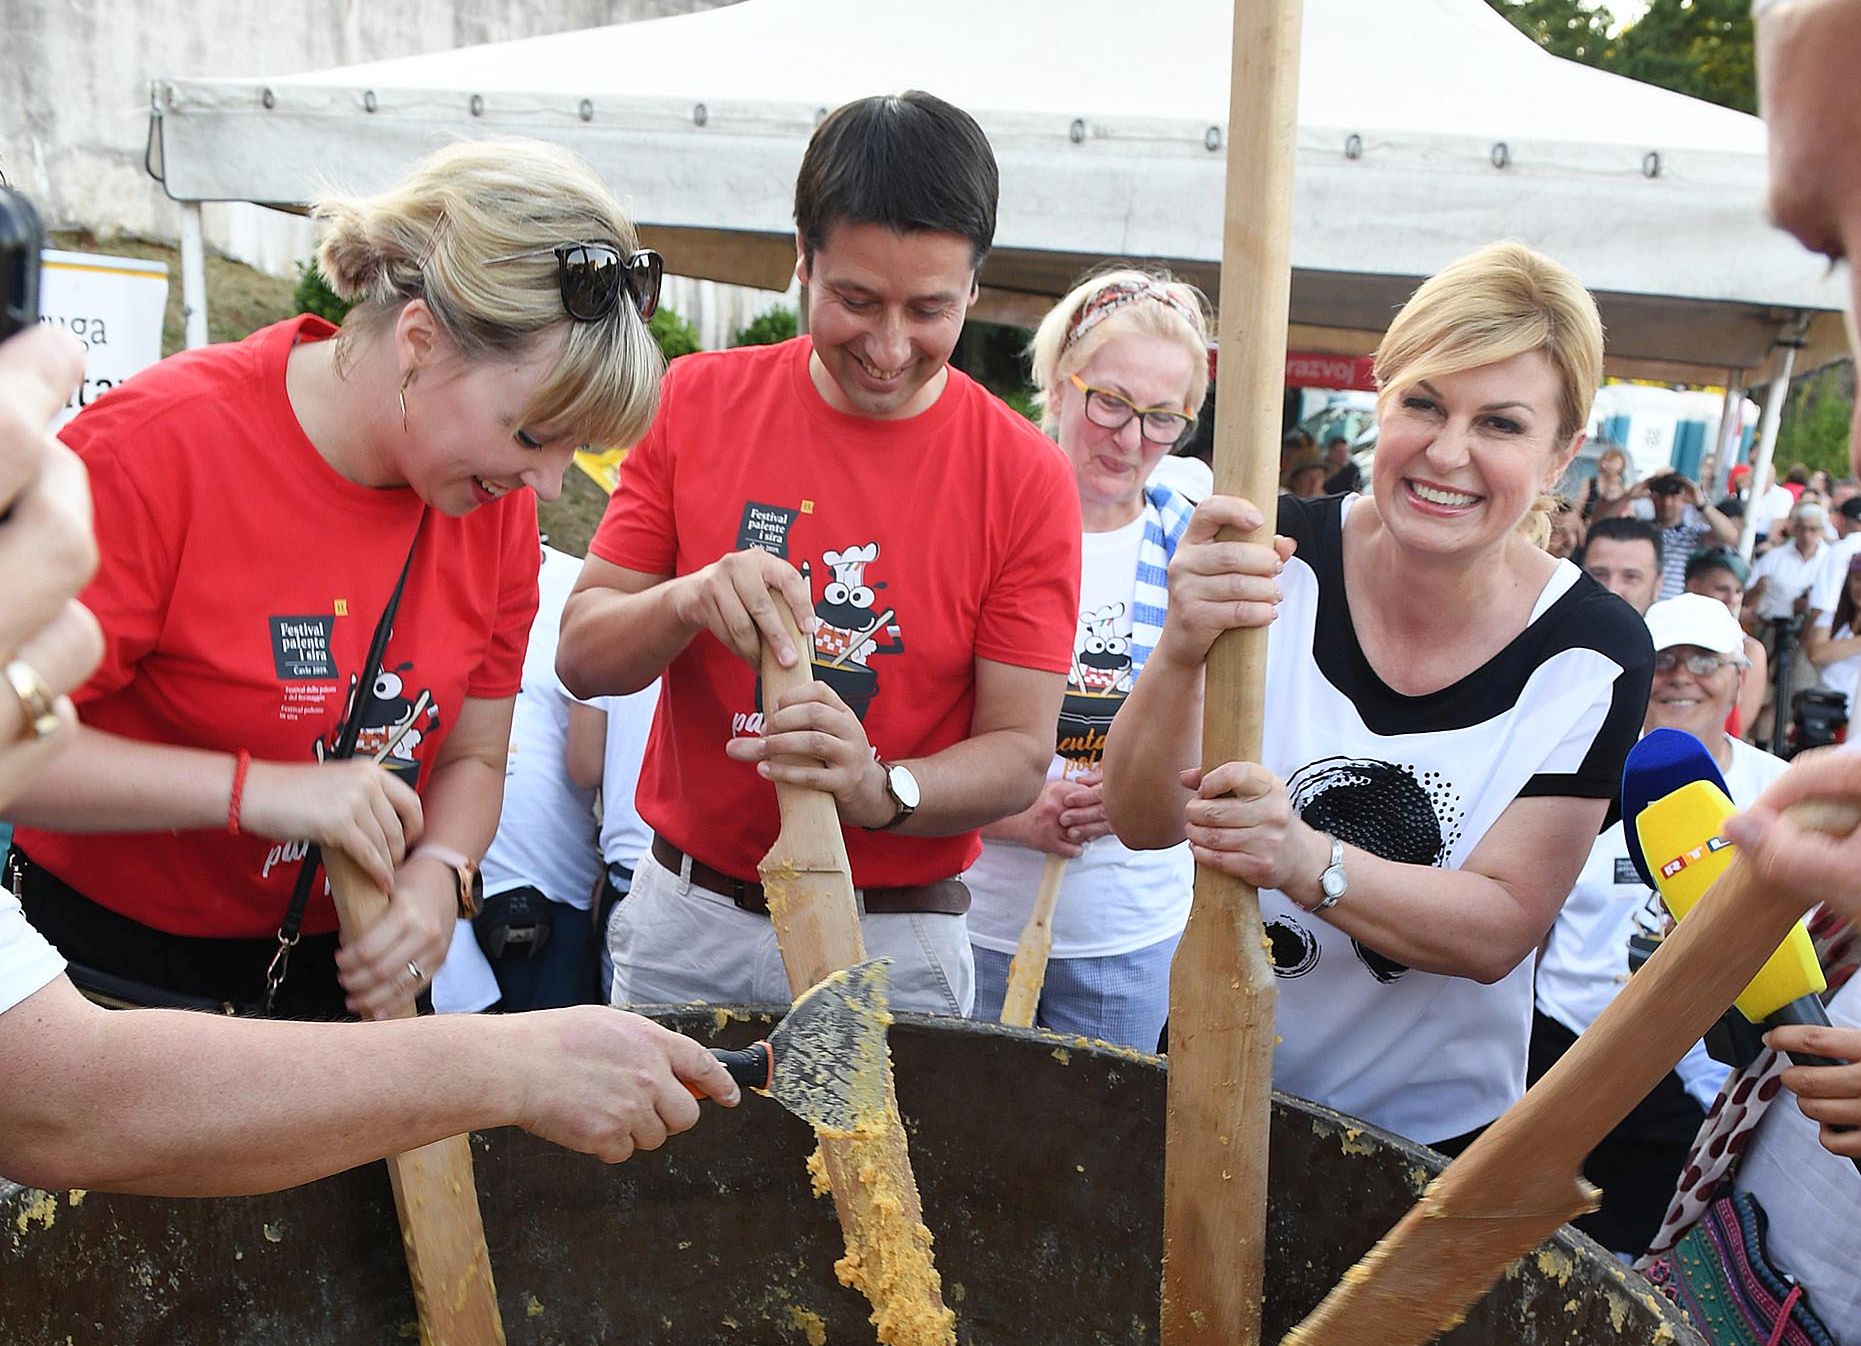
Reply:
x=465, y=875
x=1332, y=883
x=902, y=787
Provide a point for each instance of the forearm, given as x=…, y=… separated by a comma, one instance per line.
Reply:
x=1613, y=509
x=977, y=782
x=1154, y=738
x=1723, y=529
x=176, y=1103
x=106, y=783
x=1453, y=922
x=1823, y=650
x=463, y=798
x=613, y=642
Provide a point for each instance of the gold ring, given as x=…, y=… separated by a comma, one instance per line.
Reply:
x=35, y=698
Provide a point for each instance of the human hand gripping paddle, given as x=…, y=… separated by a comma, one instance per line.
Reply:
x=434, y=1191
x=1522, y=1178
x=809, y=886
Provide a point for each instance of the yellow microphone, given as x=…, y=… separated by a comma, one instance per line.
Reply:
x=1685, y=850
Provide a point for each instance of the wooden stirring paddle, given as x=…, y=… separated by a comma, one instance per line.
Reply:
x=1523, y=1177
x=434, y=1192
x=809, y=885
x=1028, y=972
x=1221, y=983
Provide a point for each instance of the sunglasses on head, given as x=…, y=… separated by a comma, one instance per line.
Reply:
x=591, y=277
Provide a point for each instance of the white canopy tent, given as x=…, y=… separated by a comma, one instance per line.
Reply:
x=1426, y=128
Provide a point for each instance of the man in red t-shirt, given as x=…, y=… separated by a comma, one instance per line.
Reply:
x=926, y=539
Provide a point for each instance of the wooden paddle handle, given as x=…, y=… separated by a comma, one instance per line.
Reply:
x=809, y=884
x=1521, y=1179
x=1028, y=972
x=435, y=1194
x=1222, y=992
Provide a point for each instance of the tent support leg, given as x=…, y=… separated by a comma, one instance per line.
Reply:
x=1767, y=442
x=193, y=275
x=1731, y=430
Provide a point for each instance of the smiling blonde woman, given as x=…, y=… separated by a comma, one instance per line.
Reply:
x=1447, y=710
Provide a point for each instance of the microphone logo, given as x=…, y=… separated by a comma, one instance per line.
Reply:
x=1680, y=862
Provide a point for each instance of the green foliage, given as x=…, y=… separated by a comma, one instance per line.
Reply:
x=314, y=295
x=1022, y=400
x=1702, y=48
x=675, y=336
x=1816, y=421
x=1562, y=27
x=1697, y=47
x=777, y=325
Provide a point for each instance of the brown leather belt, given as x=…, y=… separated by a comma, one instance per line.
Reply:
x=946, y=897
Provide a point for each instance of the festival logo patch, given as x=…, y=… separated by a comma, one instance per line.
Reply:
x=391, y=728
x=1096, y=687
x=1380, y=807
x=854, y=628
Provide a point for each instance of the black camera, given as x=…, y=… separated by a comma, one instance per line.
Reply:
x=514, y=924
x=21, y=242
x=1672, y=484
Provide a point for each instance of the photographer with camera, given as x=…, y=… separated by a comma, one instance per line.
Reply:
x=1678, y=507
x=178, y=1103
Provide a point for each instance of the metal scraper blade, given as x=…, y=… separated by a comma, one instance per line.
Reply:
x=830, y=1053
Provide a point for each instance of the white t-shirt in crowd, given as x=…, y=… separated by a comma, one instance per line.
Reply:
x=546, y=832
x=1773, y=505
x=1787, y=575
x=27, y=963
x=1420, y=780
x=624, y=834
x=1113, y=899
x=1844, y=675
x=1812, y=1199
x=1585, y=961
x=1825, y=589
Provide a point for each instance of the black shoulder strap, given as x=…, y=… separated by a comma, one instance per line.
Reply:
x=359, y=703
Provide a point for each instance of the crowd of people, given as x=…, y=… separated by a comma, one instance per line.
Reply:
x=311, y=622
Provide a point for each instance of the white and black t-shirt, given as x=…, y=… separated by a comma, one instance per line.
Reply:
x=1420, y=779
x=27, y=963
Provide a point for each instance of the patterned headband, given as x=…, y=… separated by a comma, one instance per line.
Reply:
x=1113, y=297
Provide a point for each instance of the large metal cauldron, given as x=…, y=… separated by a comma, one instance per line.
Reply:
x=1041, y=1166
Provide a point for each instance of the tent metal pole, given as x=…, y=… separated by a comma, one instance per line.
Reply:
x=1731, y=428
x=193, y=275
x=1767, y=442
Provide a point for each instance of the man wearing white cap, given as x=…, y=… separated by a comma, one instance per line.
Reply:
x=1699, y=667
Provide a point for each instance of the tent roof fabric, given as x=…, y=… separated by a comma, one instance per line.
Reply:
x=1426, y=128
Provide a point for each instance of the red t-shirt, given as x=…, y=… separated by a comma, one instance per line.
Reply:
x=928, y=542
x=240, y=583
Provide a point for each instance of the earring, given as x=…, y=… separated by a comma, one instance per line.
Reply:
x=405, y=384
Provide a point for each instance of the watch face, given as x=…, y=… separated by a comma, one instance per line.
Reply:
x=904, y=785
x=1332, y=882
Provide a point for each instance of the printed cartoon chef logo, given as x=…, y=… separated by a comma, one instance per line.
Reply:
x=854, y=626
x=1101, y=656
x=393, y=721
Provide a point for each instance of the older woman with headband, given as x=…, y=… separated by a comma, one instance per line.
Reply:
x=1120, y=365
x=1448, y=709
x=320, y=545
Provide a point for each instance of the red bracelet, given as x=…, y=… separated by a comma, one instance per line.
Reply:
x=240, y=763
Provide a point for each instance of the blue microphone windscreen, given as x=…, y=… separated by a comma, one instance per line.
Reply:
x=1662, y=762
